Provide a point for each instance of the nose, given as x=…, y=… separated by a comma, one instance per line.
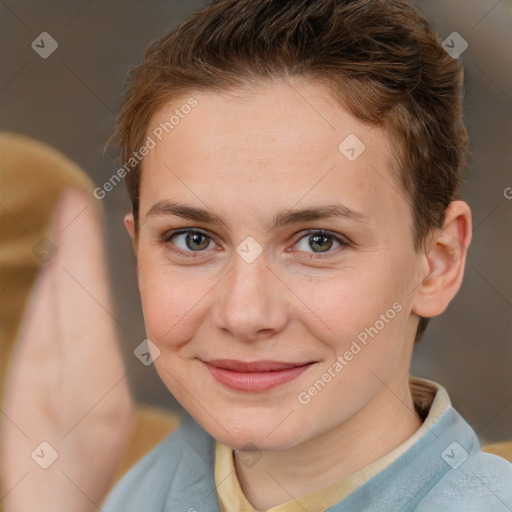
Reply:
x=252, y=303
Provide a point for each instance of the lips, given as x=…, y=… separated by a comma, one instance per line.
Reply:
x=252, y=367
x=254, y=376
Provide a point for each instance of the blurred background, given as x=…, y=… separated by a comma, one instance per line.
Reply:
x=70, y=99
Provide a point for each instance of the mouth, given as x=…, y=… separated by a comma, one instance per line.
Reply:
x=256, y=375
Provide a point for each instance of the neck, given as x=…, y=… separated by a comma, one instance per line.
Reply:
x=382, y=425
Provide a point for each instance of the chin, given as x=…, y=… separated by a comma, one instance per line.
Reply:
x=253, y=435
x=250, y=441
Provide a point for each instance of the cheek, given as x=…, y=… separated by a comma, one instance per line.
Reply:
x=167, y=302
x=340, y=306
x=362, y=313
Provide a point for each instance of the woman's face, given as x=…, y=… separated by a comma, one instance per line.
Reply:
x=284, y=304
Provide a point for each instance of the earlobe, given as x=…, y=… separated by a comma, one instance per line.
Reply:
x=445, y=260
x=129, y=223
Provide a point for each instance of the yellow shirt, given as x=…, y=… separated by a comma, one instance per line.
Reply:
x=430, y=400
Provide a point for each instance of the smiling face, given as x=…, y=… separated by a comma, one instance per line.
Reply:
x=255, y=281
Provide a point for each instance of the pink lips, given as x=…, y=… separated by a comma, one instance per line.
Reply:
x=254, y=376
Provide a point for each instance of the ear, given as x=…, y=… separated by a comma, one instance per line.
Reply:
x=129, y=222
x=444, y=262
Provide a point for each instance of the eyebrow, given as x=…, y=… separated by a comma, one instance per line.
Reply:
x=282, y=218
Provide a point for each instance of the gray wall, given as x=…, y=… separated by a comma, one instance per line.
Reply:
x=70, y=100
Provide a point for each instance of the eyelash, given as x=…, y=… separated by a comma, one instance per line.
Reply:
x=168, y=236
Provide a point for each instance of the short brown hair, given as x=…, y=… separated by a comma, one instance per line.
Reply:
x=382, y=60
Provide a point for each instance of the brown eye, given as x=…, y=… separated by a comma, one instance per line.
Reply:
x=319, y=241
x=197, y=241
x=188, y=240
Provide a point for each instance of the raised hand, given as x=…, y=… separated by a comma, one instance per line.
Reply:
x=67, y=412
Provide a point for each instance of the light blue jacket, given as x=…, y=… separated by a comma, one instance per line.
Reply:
x=444, y=471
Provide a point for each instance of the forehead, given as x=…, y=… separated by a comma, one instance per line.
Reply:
x=278, y=143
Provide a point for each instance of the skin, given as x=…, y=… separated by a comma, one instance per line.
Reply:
x=67, y=384
x=245, y=156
